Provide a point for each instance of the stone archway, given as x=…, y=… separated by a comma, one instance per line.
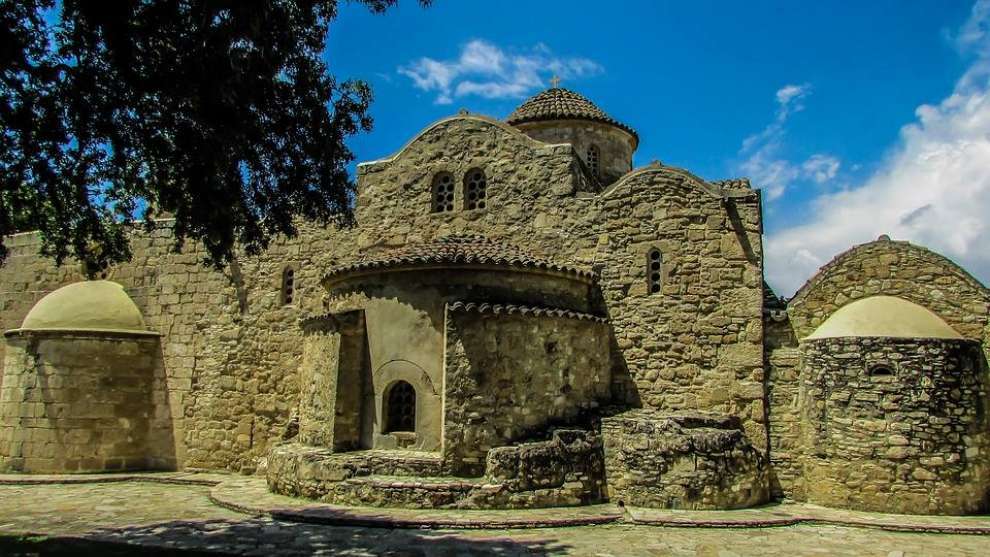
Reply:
x=425, y=415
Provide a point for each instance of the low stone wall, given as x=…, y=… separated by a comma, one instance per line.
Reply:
x=311, y=472
x=896, y=425
x=566, y=470
x=683, y=461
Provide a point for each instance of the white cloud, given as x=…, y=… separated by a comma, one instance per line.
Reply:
x=763, y=162
x=487, y=71
x=821, y=168
x=933, y=190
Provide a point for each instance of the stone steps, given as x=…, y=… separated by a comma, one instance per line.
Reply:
x=389, y=463
x=403, y=491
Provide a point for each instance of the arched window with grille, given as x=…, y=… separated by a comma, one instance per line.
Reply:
x=288, y=286
x=400, y=408
x=475, y=189
x=443, y=192
x=593, y=158
x=654, y=271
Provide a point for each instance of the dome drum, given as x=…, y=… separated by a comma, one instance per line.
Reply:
x=559, y=115
x=89, y=377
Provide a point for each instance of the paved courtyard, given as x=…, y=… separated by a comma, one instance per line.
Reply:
x=183, y=517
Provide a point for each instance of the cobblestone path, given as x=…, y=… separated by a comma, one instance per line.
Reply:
x=179, y=516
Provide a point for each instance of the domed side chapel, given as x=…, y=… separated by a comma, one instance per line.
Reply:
x=518, y=319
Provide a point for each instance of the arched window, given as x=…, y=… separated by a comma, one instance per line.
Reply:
x=400, y=408
x=443, y=192
x=881, y=370
x=654, y=271
x=288, y=285
x=475, y=186
x=592, y=157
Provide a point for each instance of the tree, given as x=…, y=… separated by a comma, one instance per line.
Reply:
x=220, y=113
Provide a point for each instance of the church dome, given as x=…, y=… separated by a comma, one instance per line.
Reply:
x=88, y=306
x=884, y=316
x=558, y=103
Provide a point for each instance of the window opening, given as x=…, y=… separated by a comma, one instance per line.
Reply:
x=654, y=271
x=443, y=193
x=592, y=158
x=288, y=286
x=401, y=408
x=475, y=185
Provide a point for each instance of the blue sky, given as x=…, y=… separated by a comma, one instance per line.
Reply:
x=856, y=118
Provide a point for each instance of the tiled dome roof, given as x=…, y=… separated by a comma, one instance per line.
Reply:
x=456, y=251
x=558, y=103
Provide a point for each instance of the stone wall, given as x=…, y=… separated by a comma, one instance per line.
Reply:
x=75, y=402
x=911, y=438
x=698, y=344
x=682, y=461
x=783, y=387
x=508, y=377
x=230, y=348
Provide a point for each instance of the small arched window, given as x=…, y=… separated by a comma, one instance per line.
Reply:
x=593, y=157
x=400, y=408
x=881, y=370
x=475, y=189
x=443, y=192
x=288, y=285
x=654, y=271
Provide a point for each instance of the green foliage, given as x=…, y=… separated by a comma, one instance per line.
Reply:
x=219, y=113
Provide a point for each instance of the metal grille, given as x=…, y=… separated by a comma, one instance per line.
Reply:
x=443, y=193
x=474, y=189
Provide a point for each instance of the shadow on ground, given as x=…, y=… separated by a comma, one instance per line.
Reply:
x=262, y=536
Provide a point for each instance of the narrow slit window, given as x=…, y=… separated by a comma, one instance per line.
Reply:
x=288, y=286
x=592, y=157
x=475, y=189
x=401, y=408
x=654, y=271
x=443, y=192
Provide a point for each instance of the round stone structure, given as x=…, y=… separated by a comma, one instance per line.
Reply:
x=79, y=388
x=894, y=412
x=559, y=115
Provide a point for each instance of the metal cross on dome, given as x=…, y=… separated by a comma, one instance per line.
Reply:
x=554, y=82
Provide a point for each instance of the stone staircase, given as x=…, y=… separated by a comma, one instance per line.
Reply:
x=564, y=470
x=403, y=491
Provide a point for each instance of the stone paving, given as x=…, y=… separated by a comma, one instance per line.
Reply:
x=183, y=517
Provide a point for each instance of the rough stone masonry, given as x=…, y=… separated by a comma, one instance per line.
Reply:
x=518, y=318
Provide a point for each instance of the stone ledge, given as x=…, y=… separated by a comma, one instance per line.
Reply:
x=793, y=514
x=251, y=496
x=176, y=478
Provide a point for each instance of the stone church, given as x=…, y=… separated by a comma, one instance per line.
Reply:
x=519, y=318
